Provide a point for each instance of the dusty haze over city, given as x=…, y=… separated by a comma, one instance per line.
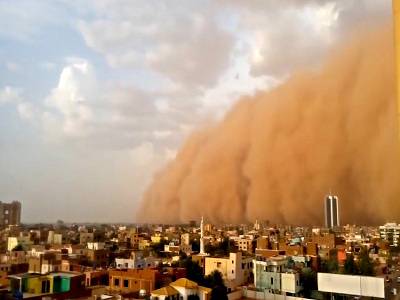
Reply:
x=141, y=111
x=276, y=155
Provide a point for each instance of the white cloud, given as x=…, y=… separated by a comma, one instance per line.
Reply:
x=26, y=111
x=107, y=113
x=12, y=66
x=76, y=87
x=173, y=40
x=9, y=94
x=143, y=154
x=290, y=34
x=162, y=134
x=48, y=65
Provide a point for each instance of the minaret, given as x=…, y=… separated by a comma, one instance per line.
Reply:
x=256, y=225
x=202, y=236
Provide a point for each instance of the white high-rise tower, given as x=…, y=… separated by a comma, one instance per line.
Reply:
x=332, y=211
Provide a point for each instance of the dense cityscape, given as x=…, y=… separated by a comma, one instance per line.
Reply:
x=198, y=260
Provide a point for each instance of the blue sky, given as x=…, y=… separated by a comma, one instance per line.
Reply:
x=96, y=96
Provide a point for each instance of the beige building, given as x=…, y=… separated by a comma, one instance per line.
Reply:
x=181, y=289
x=246, y=245
x=236, y=270
x=24, y=241
x=86, y=237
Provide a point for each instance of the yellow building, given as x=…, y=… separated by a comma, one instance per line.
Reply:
x=30, y=284
x=181, y=289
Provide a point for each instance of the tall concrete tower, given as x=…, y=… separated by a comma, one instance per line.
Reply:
x=331, y=211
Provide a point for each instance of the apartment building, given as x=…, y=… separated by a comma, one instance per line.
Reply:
x=10, y=213
x=133, y=280
x=272, y=274
x=390, y=232
x=236, y=269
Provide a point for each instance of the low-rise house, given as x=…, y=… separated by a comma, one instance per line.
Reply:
x=172, y=248
x=96, y=245
x=34, y=284
x=13, y=242
x=86, y=237
x=144, y=244
x=136, y=263
x=97, y=258
x=45, y=263
x=97, y=277
x=181, y=289
x=133, y=280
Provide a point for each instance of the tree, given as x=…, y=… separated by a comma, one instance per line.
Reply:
x=222, y=248
x=193, y=270
x=219, y=293
x=366, y=266
x=350, y=266
x=214, y=279
x=330, y=266
x=60, y=224
x=195, y=245
x=19, y=247
x=216, y=283
x=158, y=248
x=308, y=278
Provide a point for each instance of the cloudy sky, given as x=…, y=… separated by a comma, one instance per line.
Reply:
x=95, y=96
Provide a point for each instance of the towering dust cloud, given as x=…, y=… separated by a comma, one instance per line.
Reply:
x=277, y=154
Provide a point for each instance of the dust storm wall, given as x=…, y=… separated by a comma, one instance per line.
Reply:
x=276, y=154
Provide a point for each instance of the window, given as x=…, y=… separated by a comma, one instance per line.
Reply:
x=218, y=265
x=233, y=261
x=272, y=281
x=116, y=281
x=233, y=271
x=45, y=286
x=6, y=212
x=126, y=283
